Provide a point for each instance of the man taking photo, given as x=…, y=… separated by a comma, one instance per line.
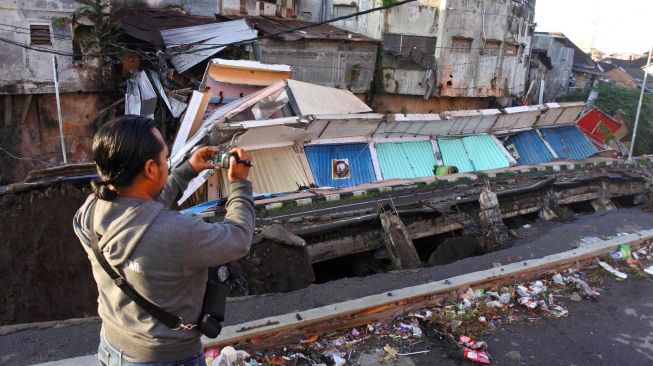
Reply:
x=163, y=255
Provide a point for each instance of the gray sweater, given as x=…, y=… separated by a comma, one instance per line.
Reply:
x=165, y=256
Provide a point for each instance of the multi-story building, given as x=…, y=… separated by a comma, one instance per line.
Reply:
x=441, y=54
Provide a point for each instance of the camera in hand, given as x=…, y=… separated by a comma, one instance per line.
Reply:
x=221, y=160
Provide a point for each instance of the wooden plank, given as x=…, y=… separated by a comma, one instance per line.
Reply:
x=386, y=305
x=398, y=242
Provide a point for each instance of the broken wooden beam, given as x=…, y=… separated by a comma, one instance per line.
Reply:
x=398, y=242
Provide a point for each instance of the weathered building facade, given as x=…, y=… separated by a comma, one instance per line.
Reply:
x=274, y=8
x=34, y=32
x=573, y=70
x=440, y=50
x=323, y=55
x=556, y=82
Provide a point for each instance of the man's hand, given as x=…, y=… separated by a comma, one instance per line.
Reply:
x=198, y=161
x=238, y=171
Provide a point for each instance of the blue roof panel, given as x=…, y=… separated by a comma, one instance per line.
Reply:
x=529, y=148
x=340, y=165
x=569, y=142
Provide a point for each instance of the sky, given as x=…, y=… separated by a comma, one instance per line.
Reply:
x=612, y=26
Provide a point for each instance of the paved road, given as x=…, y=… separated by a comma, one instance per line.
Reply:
x=615, y=330
x=544, y=238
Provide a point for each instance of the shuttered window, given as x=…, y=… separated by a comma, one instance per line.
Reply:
x=461, y=45
x=40, y=34
x=491, y=48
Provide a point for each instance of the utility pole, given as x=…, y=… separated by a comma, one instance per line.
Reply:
x=56, y=90
x=639, y=106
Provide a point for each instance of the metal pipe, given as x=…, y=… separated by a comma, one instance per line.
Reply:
x=639, y=106
x=56, y=91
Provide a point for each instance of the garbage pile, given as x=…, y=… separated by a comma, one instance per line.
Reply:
x=456, y=324
x=626, y=261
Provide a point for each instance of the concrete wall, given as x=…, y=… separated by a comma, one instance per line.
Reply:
x=25, y=71
x=392, y=103
x=562, y=59
x=322, y=62
x=30, y=129
x=419, y=18
x=481, y=72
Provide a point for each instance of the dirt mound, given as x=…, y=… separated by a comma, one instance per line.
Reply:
x=45, y=272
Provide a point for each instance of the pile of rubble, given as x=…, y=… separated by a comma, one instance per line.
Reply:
x=454, y=324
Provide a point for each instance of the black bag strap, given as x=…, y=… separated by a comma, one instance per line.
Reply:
x=170, y=320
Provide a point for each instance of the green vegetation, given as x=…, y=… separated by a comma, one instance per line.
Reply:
x=612, y=98
x=106, y=33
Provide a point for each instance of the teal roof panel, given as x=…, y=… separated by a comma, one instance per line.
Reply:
x=404, y=160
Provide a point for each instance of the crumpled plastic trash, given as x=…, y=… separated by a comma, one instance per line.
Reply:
x=557, y=278
x=649, y=270
x=465, y=304
x=338, y=361
x=522, y=291
x=612, y=270
x=474, y=350
x=583, y=286
x=229, y=356
x=527, y=302
x=471, y=343
x=537, y=287
x=414, y=329
x=559, y=311
x=476, y=356
x=494, y=304
x=625, y=251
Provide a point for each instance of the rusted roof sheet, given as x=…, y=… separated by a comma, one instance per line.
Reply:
x=146, y=24
x=272, y=25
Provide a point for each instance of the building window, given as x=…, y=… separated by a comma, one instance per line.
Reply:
x=491, y=48
x=344, y=10
x=40, y=34
x=512, y=49
x=461, y=45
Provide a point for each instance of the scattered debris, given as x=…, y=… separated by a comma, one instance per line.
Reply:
x=457, y=323
x=611, y=269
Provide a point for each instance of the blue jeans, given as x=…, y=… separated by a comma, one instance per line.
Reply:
x=108, y=355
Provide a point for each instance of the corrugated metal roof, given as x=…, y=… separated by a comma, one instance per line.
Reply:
x=317, y=99
x=209, y=36
x=273, y=25
x=484, y=152
x=454, y=154
x=355, y=157
x=528, y=148
x=146, y=24
x=569, y=142
x=405, y=159
x=596, y=123
x=472, y=153
x=277, y=170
